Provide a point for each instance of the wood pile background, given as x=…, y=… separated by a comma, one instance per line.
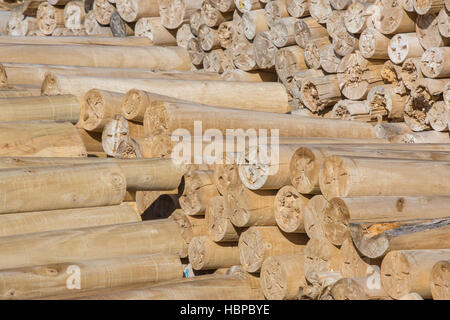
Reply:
x=91, y=93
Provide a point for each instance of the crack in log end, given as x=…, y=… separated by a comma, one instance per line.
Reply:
x=395, y=274
x=304, y=171
x=440, y=280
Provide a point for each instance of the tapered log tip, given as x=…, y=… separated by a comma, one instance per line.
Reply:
x=334, y=177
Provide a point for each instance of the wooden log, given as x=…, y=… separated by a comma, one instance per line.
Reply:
x=297, y=8
x=190, y=226
x=225, y=177
x=343, y=210
x=435, y=62
x=265, y=50
x=249, y=76
x=198, y=189
x=91, y=140
x=439, y=283
x=329, y=60
x=254, y=22
x=275, y=10
x=357, y=75
x=373, y=44
x=102, y=11
x=283, y=33
x=98, y=108
x=351, y=110
x=93, y=27
x=49, y=17
x=204, y=287
x=354, y=265
x=282, y=277
x=427, y=29
x=217, y=61
x=107, y=180
x=250, y=208
x=40, y=138
x=196, y=54
x=344, y=43
x=13, y=93
x=312, y=52
x=180, y=116
x=356, y=15
x=408, y=182
x=438, y=116
x=151, y=58
x=42, y=221
x=51, y=247
x=154, y=30
x=301, y=77
x=390, y=73
x=335, y=23
x=321, y=92
x=306, y=30
x=243, y=55
x=220, y=228
x=133, y=10
x=195, y=21
x=135, y=102
x=383, y=101
x=321, y=256
x=259, y=243
x=51, y=280
x=208, y=38
x=288, y=61
x=403, y=46
x=313, y=217
x=184, y=34
x=226, y=30
x=428, y=6
x=361, y=288
x=394, y=20
x=224, y=5
x=205, y=254
x=74, y=15
x=443, y=23
x=212, y=16
x=407, y=271
x=173, y=14
x=290, y=208
x=57, y=108
x=261, y=96
x=320, y=10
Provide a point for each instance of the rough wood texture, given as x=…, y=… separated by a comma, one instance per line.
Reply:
x=407, y=271
x=321, y=256
x=174, y=13
x=190, y=226
x=265, y=50
x=98, y=108
x=51, y=280
x=74, y=15
x=198, y=189
x=435, y=62
x=256, y=244
x=206, y=254
x=373, y=44
x=220, y=228
x=133, y=10
x=306, y=30
x=403, y=46
x=254, y=22
x=49, y=18
x=154, y=30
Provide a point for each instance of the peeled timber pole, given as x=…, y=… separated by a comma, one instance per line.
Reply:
x=407, y=271
x=42, y=221
x=51, y=247
x=220, y=228
x=150, y=58
x=353, y=176
x=51, y=280
x=206, y=254
x=40, y=139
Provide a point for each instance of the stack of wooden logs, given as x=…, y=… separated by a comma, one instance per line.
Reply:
x=343, y=209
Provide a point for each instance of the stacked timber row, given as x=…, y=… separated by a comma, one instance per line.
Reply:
x=335, y=206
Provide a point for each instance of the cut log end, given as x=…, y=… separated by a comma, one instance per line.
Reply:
x=74, y=14
x=128, y=9
x=297, y=8
x=92, y=109
x=313, y=217
x=102, y=11
x=440, y=281
x=336, y=221
x=396, y=274
x=304, y=171
x=438, y=116
x=274, y=281
x=195, y=51
x=115, y=133
x=220, y=228
x=47, y=18
x=289, y=210
x=172, y=13
x=433, y=62
x=134, y=101
x=251, y=250
x=335, y=177
x=265, y=50
x=348, y=289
